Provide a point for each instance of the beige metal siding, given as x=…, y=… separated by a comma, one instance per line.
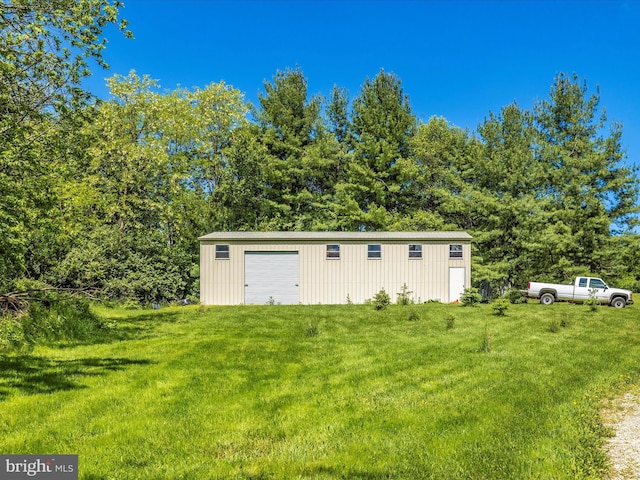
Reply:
x=330, y=281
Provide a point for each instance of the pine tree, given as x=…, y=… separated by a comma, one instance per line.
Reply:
x=589, y=188
x=382, y=124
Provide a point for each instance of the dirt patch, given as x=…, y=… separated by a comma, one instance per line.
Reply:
x=622, y=415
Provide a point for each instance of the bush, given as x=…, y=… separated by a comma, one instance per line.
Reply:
x=311, y=330
x=485, y=345
x=554, y=326
x=470, y=297
x=11, y=334
x=51, y=320
x=381, y=300
x=451, y=321
x=515, y=296
x=140, y=268
x=403, y=296
x=500, y=306
x=592, y=301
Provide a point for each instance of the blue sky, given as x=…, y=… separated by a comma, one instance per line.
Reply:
x=456, y=59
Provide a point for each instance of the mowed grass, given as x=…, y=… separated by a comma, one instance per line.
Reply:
x=289, y=392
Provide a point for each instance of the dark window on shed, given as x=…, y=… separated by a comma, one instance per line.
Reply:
x=222, y=252
x=455, y=251
x=374, y=251
x=333, y=251
x=415, y=251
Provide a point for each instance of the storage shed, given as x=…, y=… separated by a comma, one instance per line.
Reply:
x=332, y=267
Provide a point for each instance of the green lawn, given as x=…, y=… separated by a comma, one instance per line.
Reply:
x=327, y=392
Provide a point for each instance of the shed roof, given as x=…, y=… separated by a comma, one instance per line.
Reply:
x=336, y=236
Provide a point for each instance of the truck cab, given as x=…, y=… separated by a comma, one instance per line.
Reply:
x=586, y=286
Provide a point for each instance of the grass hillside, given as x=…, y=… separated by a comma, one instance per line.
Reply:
x=428, y=391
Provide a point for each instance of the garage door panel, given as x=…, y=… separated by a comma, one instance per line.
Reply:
x=271, y=275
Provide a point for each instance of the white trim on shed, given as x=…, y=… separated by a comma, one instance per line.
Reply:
x=351, y=274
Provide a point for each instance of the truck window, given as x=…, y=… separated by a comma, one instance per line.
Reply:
x=596, y=283
x=582, y=282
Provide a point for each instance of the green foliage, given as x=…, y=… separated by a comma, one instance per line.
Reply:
x=12, y=336
x=381, y=300
x=451, y=321
x=485, y=344
x=45, y=51
x=45, y=48
x=470, y=297
x=515, y=296
x=404, y=296
x=312, y=329
x=130, y=183
x=500, y=306
x=592, y=301
x=54, y=318
x=142, y=268
x=300, y=161
x=382, y=124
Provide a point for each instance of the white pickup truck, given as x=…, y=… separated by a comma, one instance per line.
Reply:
x=579, y=290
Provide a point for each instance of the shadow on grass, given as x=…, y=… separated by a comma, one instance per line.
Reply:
x=343, y=472
x=135, y=326
x=33, y=375
x=144, y=325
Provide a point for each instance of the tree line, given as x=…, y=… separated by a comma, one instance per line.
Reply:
x=113, y=194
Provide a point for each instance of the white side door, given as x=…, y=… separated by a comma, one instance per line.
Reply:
x=271, y=277
x=456, y=283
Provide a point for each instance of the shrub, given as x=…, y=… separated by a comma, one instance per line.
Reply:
x=592, y=301
x=54, y=319
x=413, y=316
x=451, y=321
x=381, y=299
x=312, y=330
x=470, y=297
x=404, y=296
x=139, y=267
x=500, y=306
x=11, y=334
x=515, y=296
x=485, y=345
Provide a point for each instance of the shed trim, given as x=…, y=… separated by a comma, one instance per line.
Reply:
x=329, y=236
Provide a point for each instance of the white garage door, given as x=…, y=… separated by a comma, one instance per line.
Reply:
x=271, y=276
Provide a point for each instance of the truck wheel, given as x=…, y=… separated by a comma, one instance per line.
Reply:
x=619, y=302
x=547, y=299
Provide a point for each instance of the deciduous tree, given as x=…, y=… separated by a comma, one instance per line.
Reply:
x=45, y=50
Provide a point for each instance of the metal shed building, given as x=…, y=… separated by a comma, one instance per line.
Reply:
x=331, y=267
